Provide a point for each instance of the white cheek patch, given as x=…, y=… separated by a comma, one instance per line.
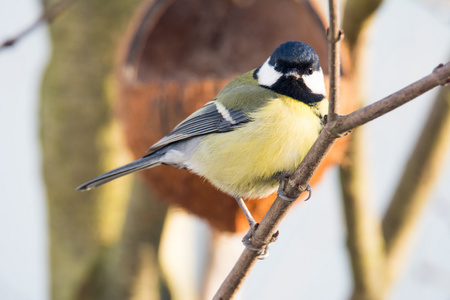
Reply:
x=267, y=75
x=315, y=82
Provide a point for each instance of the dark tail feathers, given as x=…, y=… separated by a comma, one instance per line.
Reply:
x=137, y=165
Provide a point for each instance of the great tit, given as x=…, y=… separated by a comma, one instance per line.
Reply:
x=259, y=126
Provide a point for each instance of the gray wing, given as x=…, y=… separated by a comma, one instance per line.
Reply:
x=211, y=118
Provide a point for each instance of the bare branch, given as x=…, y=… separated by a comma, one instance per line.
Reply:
x=334, y=35
x=237, y=275
x=47, y=16
x=299, y=180
x=439, y=76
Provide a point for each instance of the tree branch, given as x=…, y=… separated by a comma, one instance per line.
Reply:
x=334, y=35
x=47, y=16
x=439, y=76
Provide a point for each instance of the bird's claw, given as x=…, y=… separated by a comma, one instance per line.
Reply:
x=283, y=177
x=247, y=240
x=309, y=189
x=283, y=195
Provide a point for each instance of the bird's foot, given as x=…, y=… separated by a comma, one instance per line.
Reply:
x=283, y=177
x=249, y=242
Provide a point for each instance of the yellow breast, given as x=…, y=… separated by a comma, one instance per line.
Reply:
x=242, y=162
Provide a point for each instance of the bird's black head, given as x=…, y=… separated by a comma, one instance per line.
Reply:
x=293, y=70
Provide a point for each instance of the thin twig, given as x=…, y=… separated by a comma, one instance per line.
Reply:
x=334, y=35
x=46, y=17
x=439, y=76
x=237, y=275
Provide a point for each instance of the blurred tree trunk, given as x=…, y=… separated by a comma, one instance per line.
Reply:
x=365, y=241
x=133, y=271
x=75, y=119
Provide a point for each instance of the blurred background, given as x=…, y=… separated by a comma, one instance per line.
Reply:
x=106, y=79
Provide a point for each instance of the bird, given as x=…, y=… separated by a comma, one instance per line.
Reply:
x=252, y=135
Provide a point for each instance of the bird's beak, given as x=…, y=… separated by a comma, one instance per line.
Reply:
x=293, y=74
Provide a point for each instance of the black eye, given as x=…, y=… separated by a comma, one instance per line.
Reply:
x=275, y=66
x=310, y=71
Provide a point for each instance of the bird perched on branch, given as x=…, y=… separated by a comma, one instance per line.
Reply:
x=256, y=131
